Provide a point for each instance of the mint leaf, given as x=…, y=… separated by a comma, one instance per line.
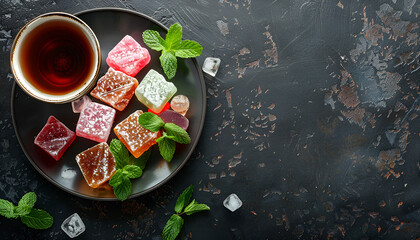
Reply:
x=169, y=63
x=179, y=134
x=25, y=204
x=116, y=179
x=123, y=190
x=21, y=210
x=153, y=40
x=189, y=49
x=171, y=47
x=6, y=209
x=183, y=199
x=133, y=171
x=151, y=121
x=172, y=227
x=194, y=207
x=38, y=219
x=173, y=37
x=142, y=160
x=166, y=147
x=121, y=154
x=28, y=200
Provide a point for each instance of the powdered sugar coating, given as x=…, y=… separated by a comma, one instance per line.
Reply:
x=95, y=122
x=136, y=138
x=55, y=138
x=154, y=91
x=115, y=88
x=128, y=56
x=97, y=164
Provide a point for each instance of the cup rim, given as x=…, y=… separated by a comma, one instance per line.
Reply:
x=80, y=91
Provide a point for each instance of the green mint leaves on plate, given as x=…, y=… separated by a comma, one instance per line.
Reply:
x=172, y=134
x=127, y=167
x=171, y=47
x=183, y=205
x=33, y=218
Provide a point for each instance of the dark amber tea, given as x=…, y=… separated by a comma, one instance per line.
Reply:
x=56, y=57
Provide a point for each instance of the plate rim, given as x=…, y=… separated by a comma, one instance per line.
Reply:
x=172, y=174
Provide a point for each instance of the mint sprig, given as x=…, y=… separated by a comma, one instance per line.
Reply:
x=175, y=222
x=33, y=218
x=172, y=47
x=172, y=228
x=127, y=167
x=171, y=133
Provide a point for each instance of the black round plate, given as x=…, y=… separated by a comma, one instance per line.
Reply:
x=30, y=115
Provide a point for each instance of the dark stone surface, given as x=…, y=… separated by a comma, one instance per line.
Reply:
x=312, y=121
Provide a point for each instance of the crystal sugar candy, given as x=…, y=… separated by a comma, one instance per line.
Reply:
x=170, y=116
x=136, y=138
x=154, y=91
x=81, y=103
x=73, y=226
x=97, y=164
x=115, y=88
x=55, y=138
x=128, y=56
x=95, y=122
x=180, y=104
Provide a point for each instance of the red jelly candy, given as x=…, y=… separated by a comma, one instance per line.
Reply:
x=128, y=56
x=166, y=107
x=55, y=138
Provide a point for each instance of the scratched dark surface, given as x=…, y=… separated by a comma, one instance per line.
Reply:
x=312, y=121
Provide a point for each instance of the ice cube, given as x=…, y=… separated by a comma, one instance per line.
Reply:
x=73, y=226
x=211, y=65
x=81, y=103
x=68, y=173
x=232, y=202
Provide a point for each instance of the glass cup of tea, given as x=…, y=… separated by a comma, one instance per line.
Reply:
x=56, y=58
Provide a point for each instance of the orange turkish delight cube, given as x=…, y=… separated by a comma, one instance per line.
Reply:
x=115, y=88
x=136, y=138
x=97, y=164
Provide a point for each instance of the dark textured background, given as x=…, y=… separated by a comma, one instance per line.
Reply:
x=312, y=120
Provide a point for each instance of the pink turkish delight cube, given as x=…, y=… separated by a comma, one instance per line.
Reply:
x=95, y=122
x=55, y=138
x=128, y=56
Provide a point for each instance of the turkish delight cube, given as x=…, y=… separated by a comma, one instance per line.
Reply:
x=170, y=116
x=136, y=138
x=115, y=88
x=128, y=56
x=154, y=91
x=54, y=138
x=97, y=164
x=95, y=122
